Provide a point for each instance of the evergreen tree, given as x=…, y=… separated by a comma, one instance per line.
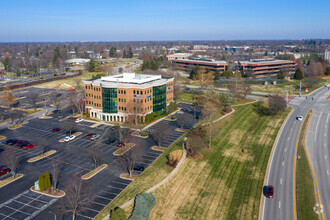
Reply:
x=227, y=73
x=6, y=63
x=113, y=52
x=124, y=54
x=298, y=74
x=194, y=73
x=217, y=75
x=97, y=67
x=327, y=71
x=130, y=53
x=91, y=65
x=280, y=75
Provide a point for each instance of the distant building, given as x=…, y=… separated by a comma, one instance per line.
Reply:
x=120, y=97
x=200, y=47
x=72, y=53
x=77, y=62
x=177, y=56
x=327, y=55
x=267, y=66
x=234, y=49
x=190, y=63
x=2, y=68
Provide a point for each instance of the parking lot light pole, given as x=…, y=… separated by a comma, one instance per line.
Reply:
x=50, y=212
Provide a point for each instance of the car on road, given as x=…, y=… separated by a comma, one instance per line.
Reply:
x=28, y=146
x=110, y=141
x=4, y=170
x=270, y=192
x=327, y=85
x=56, y=129
x=94, y=137
x=90, y=135
x=139, y=167
x=69, y=138
x=300, y=118
x=121, y=144
x=79, y=120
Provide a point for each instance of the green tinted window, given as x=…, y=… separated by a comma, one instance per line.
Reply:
x=159, y=98
x=109, y=101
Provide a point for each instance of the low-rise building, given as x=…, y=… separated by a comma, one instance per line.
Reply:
x=327, y=55
x=209, y=64
x=177, y=56
x=125, y=96
x=267, y=66
x=77, y=62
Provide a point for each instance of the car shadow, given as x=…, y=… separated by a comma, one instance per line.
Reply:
x=264, y=190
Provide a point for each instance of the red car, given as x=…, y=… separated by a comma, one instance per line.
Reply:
x=28, y=146
x=21, y=142
x=270, y=192
x=121, y=144
x=4, y=170
x=90, y=135
x=56, y=129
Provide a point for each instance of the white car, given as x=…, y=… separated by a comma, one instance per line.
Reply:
x=327, y=85
x=69, y=138
x=79, y=120
x=299, y=118
x=94, y=137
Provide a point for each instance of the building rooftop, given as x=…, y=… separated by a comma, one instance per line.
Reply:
x=180, y=54
x=130, y=80
x=203, y=60
x=263, y=61
x=78, y=60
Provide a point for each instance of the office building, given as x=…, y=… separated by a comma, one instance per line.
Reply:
x=177, y=56
x=190, y=63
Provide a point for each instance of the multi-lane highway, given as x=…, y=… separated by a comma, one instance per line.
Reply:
x=281, y=168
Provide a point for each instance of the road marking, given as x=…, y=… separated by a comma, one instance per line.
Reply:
x=288, y=138
x=285, y=150
x=279, y=204
x=283, y=163
x=317, y=126
x=325, y=156
x=328, y=172
x=281, y=181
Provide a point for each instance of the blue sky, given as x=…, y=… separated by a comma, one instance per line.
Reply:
x=135, y=20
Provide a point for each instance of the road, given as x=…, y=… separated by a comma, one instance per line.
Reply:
x=281, y=167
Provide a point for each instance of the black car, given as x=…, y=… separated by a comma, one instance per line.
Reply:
x=11, y=141
x=139, y=167
x=57, y=112
x=110, y=141
x=185, y=110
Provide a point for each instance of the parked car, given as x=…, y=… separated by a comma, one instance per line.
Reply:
x=184, y=110
x=56, y=129
x=24, y=144
x=270, y=192
x=57, y=111
x=110, y=141
x=11, y=141
x=139, y=167
x=327, y=85
x=90, y=135
x=121, y=144
x=79, y=120
x=72, y=119
x=300, y=118
x=69, y=138
x=28, y=146
x=19, y=143
x=94, y=137
x=4, y=170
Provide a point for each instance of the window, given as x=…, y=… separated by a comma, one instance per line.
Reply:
x=133, y=100
x=133, y=91
x=109, y=101
x=145, y=91
x=159, y=98
x=125, y=100
x=124, y=91
x=141, y=109
x=145, y=100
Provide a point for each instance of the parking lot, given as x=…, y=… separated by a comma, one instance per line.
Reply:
x=74, y=156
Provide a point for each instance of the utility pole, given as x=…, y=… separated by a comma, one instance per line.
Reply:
x=300, y=89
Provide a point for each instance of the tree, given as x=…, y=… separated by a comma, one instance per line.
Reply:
x=33, y=98
x=159, y=133
x=183, y=119
x=118, y=214
x=91, y=65
x=56, y=171
x=208, y=113
x=124, y=54
x=227, y=73
x=10, y=157
x=112, y=52
x=78, y=196
x=276, y=104
x=298, y=74
x=130, y=53
x=129, y=159
x=97, y=67
x=42, y=145
x=78, y=83
x=217, y=75
x=7, y=97
x=194, y=73
x=133, y=111
x=56, y=99
x=194, y=143
x=205, y=77
x=280, y=75
x=7, y=65
x=16, y=116
x=95, y=153
x=68, y=125
x=327, y=71
x=310, y=82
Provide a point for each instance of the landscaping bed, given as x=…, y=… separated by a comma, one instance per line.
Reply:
x=13, y=127
x=93, y=172
x=122, y=150
x=55, y=194
x=39, y=157
x=10, y=180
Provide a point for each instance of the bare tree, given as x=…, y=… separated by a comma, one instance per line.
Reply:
x=7, y=97
x=16, y=116
x=129, y=159
x=68, y=125
x=95, y=153
x=11, y=158
x=159, y=133
x=42, y=145
x=78, y=196
x=183, y=119
x=133, y=112
x=310, y=82
x=194, y=144
x=56, y=173
x=208, y=113
x=56, y=99
x=33, y=98
x=78, y=83
x=276, y=104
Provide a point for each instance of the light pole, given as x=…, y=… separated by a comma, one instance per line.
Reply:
x=50, y=212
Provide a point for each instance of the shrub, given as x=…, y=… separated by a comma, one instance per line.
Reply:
x=172, y=107
x=227, y=109
x=118, y=214
x=144, y=134
x=143, y=204
x=174, y=157
x=173, y=117
x=44, y=181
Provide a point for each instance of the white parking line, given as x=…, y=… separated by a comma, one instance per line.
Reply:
x=116, y=187
x=98, y=203
x=103, y=197
x=281, y=181
x=279, y=204
x=84, y=216
x=120, y=183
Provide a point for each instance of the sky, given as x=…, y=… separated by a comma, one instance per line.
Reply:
x=154, y=20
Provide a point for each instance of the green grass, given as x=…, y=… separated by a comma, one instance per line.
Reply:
x=305, y=185
x=154, y=174
x=187, y=97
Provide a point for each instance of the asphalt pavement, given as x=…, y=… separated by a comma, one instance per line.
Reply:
x=281, y=167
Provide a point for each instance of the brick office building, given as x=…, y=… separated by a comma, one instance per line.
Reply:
x=190, y=63
x=121, y=97
x=262, y=67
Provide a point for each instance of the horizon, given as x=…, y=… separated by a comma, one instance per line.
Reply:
x=146, y=20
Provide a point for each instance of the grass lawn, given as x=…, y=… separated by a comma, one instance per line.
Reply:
x=226, y=183
x=292, y=85
x=304, y=183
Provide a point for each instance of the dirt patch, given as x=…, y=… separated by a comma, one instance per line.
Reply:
x=237, y=154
